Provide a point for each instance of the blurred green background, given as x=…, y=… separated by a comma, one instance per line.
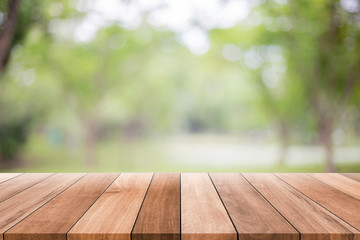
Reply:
x=168, y=85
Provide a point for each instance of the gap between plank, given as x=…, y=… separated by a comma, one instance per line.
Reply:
x=43, y=204
x=91, y=205
x=25, y=188
x=12, y=177
x=319, y=204
x=272, y=205
x=333, y=186
x=131, y=233
x=346, y=175
x=237, y=234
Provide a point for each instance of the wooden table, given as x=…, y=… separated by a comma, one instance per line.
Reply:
x=188, y=206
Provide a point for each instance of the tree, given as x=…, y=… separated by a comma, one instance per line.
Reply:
x=8, y=32
x=15, y=122
x=323, y=37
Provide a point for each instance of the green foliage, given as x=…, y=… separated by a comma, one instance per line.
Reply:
x=12, y=139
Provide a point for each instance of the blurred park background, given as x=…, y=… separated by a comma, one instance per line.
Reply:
x=180, y=85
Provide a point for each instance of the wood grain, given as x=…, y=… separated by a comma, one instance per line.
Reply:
x=203, y=216
x=23, y=204
x=54, y=220
x=191, y=206
x=20, y=183
x=354, y=176
x=340, y=182
x=6, y=176
x=159, y=217
x=310, y=219
x=246, y=207
x=336, y=201
x=113, y=215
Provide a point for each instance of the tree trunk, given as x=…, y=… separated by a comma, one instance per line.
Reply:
x=329, y=156
x=8, y=32
x=10, y=163
x=90, y=142
x=325, y=132
x=284, y=143
x=5, y=161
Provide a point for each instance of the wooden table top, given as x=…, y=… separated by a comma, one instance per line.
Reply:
x=188, y=206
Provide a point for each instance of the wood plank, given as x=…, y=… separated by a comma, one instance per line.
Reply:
x=159, y=217
x=20, y=183
x=310, y=219
x=203, y=216
x=340, y=182
x=246, y=207
x=6, y=176
x=336, y=201
x=21, y=205
x=113, y=215
x=354, y=176
x=54, y=220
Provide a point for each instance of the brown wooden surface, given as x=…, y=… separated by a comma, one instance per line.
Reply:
x=190, y=206
x=55, y=219
x=203, y=216
x=159, y=217
x=246, y=207
x=18, y=184
x=114, y=214
x=354, y=176
x=310, y=219
x=336, y=201
x=340, y=182
x=7, y=176
x=16, y=208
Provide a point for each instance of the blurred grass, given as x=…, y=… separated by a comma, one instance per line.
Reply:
x=112, y=156
x=128, y=156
